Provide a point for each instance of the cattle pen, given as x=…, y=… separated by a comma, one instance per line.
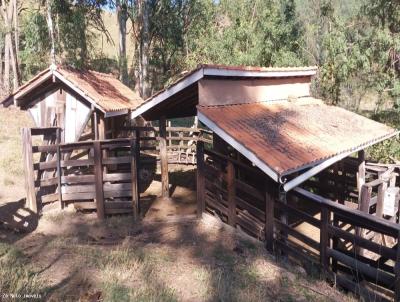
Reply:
x=270, y=160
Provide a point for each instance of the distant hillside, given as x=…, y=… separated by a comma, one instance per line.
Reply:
x=110, y=50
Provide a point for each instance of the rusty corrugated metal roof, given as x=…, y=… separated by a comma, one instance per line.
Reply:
x=104, y=90
x=290, y=135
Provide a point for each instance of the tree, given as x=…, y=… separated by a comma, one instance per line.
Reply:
x=8, y=14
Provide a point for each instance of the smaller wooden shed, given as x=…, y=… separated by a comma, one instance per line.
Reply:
x=85, y=104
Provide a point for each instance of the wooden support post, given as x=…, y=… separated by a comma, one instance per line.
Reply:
x=284, y=220
x=59, y=171
x=135, y=153
x=379, y=202
x=230, y=171
x=364, y=202
x=200, y=179
x=96, y=125
x=102, y=128
x=164, y=158
x=29, y=172
x=269, y=217
x=98, y=172
x=360, y=173
x=397, y=271
x=324, y=239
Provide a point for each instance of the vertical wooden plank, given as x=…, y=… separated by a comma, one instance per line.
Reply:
x=59, y=171
x=269, y=216
x=135, y=178
x=200, y=188
x=397, y=271
x=360, y=173
x=29, y=172
x=230, y=170
x=98, y=171
x=379, y=202
x=96, y=125
x=102, y=128
x=284, y=220
x=324, y=238
x=365, y=198
x=163, y=158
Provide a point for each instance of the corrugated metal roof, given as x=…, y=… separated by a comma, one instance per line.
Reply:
x=290, y=135
x=104, y=90
x=107, y=91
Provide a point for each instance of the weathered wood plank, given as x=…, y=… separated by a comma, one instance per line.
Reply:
x=164, y=158
x=98, y=168
x=135, y=155
x=200, y=181
x=231, y=188
x=29, y=170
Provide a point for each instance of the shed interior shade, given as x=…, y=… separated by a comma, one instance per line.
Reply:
x=288, y=136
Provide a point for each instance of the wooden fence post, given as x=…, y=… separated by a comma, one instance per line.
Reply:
x=59, y=171
x=98, y=174
x=324, y=239
x=360, y=173
x=164, y=158
x=397, y=271
x=200, y=188
x=284, y=220
x=269, y=217
x=135, y=155
x=231, y=188
x=29, y=172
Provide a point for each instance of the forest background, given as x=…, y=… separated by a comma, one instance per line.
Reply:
x=149, y=43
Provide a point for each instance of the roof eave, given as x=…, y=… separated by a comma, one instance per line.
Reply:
x=321, y=165
x=212, y=71
x=186, y=82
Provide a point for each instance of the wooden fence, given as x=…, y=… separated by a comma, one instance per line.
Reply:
x=313, y=230
x=99, y=175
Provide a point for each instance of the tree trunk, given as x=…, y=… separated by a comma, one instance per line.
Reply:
x=122, y=18
x=6, y=76
x=51, y=32
x=145, y=50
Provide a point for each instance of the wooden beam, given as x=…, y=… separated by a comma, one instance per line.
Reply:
x=102, y=128
x=360, y=173
x=59, y=171
x=324, y=239
x=164, y=157
x=98, y=170
x=135, y=154
x=269, y=217
x=200, y=188
x=231, y=188
x=29, y=172
x=96, y=125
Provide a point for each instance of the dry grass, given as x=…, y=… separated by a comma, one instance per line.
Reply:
x=120, y=261
x=11, y=169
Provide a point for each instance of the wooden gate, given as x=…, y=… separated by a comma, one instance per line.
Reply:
x=99, y=175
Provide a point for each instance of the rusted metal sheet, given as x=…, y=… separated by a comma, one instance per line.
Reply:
x=290, y=135
x=104, y=90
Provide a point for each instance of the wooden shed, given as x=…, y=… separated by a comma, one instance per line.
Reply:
x=84, y=104
x=290, y=170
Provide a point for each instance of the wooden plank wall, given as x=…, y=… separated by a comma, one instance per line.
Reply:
x=317, y=232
